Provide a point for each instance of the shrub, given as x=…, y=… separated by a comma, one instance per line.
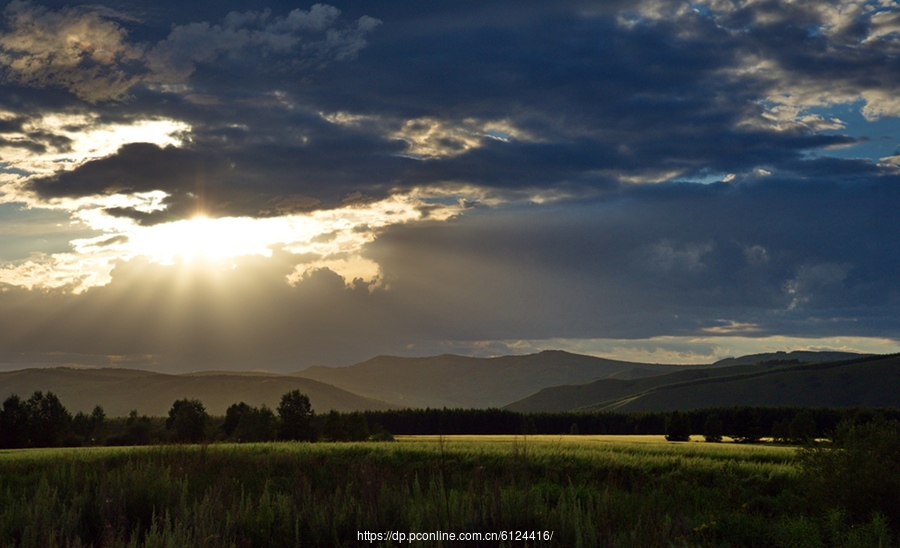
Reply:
x=858, y=474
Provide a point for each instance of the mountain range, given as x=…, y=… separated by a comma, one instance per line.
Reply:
x=550, y=381
x=121, y=390
x=864, y=381
x=459, y=381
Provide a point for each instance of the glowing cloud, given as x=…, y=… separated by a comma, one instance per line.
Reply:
x=85, y=138
x=332, y=239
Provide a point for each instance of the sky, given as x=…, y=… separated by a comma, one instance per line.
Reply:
x=272, y=185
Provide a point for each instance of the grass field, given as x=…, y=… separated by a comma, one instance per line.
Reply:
x=585, y=490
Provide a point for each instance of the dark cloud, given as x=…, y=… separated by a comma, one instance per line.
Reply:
x=141, y=167
x=597, y=100
x=662, y=260
x=293, y=109
x=789, y=257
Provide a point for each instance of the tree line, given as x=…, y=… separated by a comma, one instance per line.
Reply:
x=746, y=424
x=42, y=421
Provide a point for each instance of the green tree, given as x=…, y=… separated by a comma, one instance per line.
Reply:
x=296, y=416
x=335, y=427
x=233, y=416
x=138, y=429
x=803, y=427
x=48, y=420
x=678, y=427
x=98, y=423
x=747, y=427
x=257, y=424
x=13, y=424
x=81, y=425
x=712, y=428
x=187, y=421
x=357, y=427
x=529, y=428
x=781, y=431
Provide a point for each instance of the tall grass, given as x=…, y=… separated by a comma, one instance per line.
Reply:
x=587, y=491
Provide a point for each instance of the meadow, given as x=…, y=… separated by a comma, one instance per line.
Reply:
x=583, y=490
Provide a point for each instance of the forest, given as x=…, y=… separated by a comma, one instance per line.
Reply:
x=43, y=421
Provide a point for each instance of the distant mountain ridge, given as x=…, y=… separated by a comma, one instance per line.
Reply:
x=121, y=390
x=799, y=356
x=452, y=381
x=546, y=381
x=866, y=381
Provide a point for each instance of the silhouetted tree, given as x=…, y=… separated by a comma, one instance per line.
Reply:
x=357, y=427
x=98, y=423
x=138, y=429
x=335, y=427
x=187, y=421
x=747, y=427
x=257, y=424
x=712, y=428
x=678, y=427
x=528, y=426
x=48, y=420
x=781, y=431
x=803, y=427
x=233, y=416
x=296, y=417
x=13, y=424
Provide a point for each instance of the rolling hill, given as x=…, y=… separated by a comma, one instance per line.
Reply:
x=459, y=381
x=797, y=356
x=542, y=382
x=121, y=390
x=870, y=381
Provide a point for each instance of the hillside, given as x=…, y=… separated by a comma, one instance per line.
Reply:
x=572, y=397
x=862, y=381
x=458, y=381
x=797, y=356
x=121, y=390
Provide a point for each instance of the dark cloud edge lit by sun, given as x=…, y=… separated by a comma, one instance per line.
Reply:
x=268, y=185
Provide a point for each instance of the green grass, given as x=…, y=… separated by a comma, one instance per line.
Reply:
x=587, y=490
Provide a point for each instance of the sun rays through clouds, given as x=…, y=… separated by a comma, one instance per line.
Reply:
x=322, y=183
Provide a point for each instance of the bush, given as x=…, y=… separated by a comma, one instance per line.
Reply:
x=858, y=474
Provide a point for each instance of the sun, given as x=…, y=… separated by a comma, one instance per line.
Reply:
x=297, y=243
x=203, y=238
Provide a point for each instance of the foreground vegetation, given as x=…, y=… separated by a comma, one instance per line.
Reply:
x=586, y=490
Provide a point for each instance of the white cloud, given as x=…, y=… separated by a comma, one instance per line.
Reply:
x=87, y=138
